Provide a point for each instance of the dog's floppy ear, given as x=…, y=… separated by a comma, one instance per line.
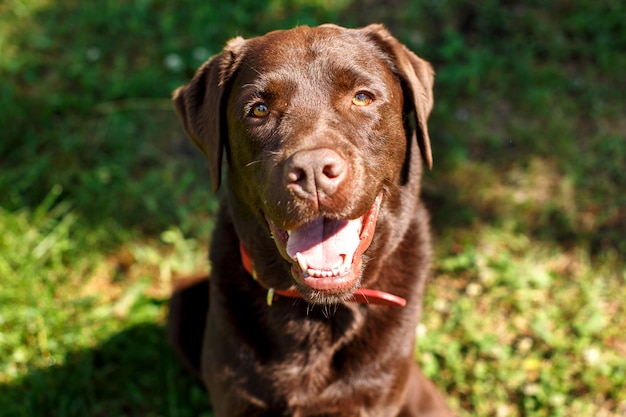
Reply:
x=417, y=77
x=200, y=105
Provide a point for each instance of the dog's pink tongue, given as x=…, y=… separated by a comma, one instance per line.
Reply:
x=325, y=244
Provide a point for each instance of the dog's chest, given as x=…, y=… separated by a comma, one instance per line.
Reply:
x=326, y=372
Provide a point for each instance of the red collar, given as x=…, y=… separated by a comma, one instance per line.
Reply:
x=361, y=296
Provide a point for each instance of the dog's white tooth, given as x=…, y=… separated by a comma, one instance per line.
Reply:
x=302, y=262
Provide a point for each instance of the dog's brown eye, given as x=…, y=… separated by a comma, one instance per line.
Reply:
x=260, y=110
x=362, y=99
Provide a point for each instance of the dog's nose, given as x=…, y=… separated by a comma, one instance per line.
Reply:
x=315, y=173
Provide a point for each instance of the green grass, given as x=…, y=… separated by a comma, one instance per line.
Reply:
x=104, y=204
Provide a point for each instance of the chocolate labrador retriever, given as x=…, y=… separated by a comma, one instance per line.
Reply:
x=321, y=248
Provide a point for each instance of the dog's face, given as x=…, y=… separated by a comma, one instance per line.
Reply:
x=315, y=124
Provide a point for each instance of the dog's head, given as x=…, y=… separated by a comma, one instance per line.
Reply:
x=317, y=125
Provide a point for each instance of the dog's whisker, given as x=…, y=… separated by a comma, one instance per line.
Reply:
x=253, y=162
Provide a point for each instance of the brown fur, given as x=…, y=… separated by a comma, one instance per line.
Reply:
x=319, y=355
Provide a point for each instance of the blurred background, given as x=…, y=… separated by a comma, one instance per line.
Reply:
x=104, y=203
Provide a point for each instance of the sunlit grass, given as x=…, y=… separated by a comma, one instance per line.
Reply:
x=104, y=204
x=536, y=325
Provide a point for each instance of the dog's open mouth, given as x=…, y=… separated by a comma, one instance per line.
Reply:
x=325, y=253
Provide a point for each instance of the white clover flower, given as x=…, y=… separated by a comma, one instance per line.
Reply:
x=420, y=330
x=174, y=62
x=525, y=344
x=531, y=390
x=503, y=410
x=200, y=53
x=93, y=53
x=441, y=305
x=591, y=356
x=558, y=400
x=473, y=289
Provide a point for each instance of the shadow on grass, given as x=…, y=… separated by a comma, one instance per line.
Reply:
x=134, y=373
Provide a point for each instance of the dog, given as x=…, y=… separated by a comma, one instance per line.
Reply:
x=321, y=247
